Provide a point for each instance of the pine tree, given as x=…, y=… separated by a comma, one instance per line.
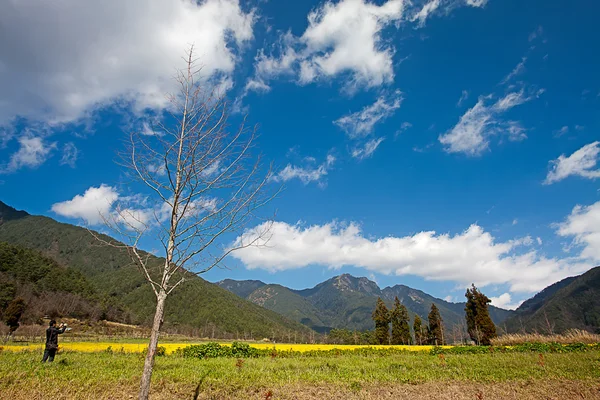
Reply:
x=436, y=327
x=13, y=313
x=479, y=324
x=400, y=324
x=381, y=316
x=419, y=331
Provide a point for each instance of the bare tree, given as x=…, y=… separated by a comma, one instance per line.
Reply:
x=203, y=182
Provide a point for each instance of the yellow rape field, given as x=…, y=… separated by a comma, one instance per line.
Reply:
x=88, y=347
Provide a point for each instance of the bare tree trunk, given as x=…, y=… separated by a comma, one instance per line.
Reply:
x=149, y=363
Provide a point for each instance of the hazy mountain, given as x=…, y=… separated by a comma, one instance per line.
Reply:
x=571, y=303
x=198, y=304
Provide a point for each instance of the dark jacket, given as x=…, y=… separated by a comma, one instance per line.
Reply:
x=52, y=337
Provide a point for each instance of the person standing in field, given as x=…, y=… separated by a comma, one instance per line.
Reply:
x=52, y=340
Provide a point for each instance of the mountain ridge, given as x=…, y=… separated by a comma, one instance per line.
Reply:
x=568, y=304
x=345, y=301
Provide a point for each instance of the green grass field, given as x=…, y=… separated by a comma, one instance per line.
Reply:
x=103, y=375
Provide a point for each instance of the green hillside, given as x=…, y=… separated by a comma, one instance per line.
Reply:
x=198, y=306
x=347, y=302
x=46, y=287
x=572, y=303
x=286, y=302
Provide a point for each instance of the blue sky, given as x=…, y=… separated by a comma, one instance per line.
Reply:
x=431, y=144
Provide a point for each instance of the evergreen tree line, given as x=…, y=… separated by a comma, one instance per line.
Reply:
x=480, y=326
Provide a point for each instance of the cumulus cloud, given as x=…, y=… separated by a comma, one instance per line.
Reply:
x=104, y=203
x=109, y=51
x=95, y=203
x=362, y=123
x=469, y=256
x=505, y=301
x=581, y=163
x=584, y=224
x=366, y=150
x=33, y=151
x=341, y=38
x=307, y=173
x=471, y=135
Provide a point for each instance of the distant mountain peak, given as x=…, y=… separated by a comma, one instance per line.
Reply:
x=349, y=283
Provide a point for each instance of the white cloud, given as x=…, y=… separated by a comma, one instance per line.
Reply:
x=562, y=131
x=471, y=134
x=98, y=204
x=33, y=152
x=70, y=154
x=518, y=70
x=91, y=206
x=427, y=9
x=449, y=299
x=470, y=256
x=463, y=97
x=515, y=131
x=580, y=163
x=362, y=123
x=477, y=3
x=366, y=150
x=584, y=224
x=341, y=38
x=515, y=221
x=109, y=51
x=505, y=301
x=307, y=174
x=511, y=100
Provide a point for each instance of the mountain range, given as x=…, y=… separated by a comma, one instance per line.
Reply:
x=346, y=302
x=102, y=281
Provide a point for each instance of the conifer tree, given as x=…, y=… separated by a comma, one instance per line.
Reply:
x=479, y=324
x=420, y=337
x=400, y=324
x=13, y=313
x=381, y=316
x=436, y=327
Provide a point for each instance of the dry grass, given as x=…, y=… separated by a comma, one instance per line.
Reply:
x=571, y=336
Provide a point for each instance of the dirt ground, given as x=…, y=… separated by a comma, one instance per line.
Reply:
x=533, y=390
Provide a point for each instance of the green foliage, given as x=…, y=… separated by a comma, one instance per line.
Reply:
x=381, y=317
x=520, y=348
x=161, y=351
x=13, y=313
x=436, y=327
x=214, y=350
x=420, y=331
x=400, y=324
x=479, y=324
x=346, y=336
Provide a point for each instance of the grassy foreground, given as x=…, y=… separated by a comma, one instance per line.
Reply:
x=77, y=375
